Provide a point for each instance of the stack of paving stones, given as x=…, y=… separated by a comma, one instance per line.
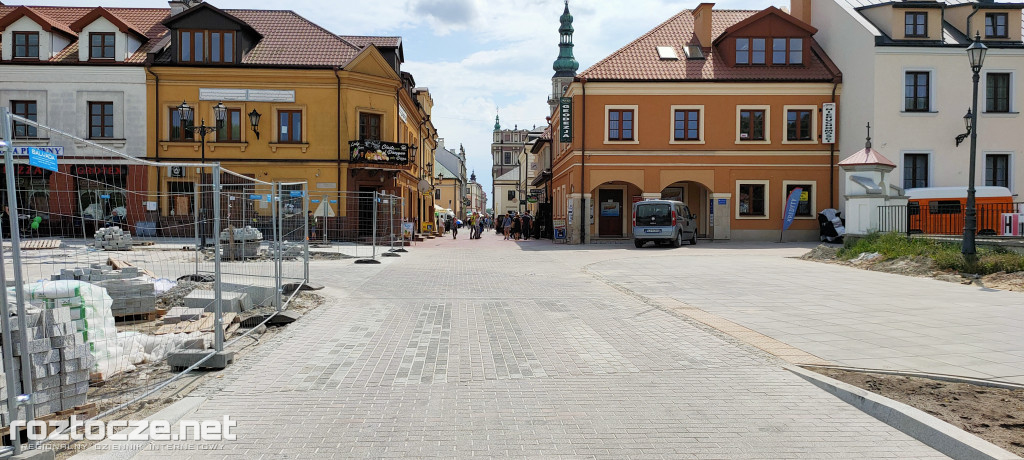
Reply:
x=113, y=239
x=59, y=358
x=244, y=244
x=132, y=295
x=179, y=314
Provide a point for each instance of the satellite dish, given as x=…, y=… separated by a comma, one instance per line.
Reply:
x=423, y=186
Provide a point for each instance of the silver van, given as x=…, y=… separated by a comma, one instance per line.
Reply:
x=663, y=221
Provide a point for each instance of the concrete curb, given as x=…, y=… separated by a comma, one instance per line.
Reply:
x=123, y=450
x=939, y=435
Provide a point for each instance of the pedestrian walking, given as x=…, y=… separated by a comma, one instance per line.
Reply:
x=455, y=229
x=517, y=227
x=507, y=225
x=479, y=226
x=527, y=225
x=312, y=225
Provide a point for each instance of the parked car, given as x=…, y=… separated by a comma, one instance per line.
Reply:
x=663, y=221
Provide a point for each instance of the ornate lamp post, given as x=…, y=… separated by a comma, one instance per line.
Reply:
x=187, y=116
x=976, y=53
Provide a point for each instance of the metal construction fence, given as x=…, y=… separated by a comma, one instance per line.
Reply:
x=367, y=225
x=122, y=274
x=946, y=218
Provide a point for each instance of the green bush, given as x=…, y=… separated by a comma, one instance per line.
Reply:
x=947, y=256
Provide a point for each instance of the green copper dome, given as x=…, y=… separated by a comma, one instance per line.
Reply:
x=497, y=123
x=566, y=64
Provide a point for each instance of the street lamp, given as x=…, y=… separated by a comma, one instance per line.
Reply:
x=254, y=121
x=969, y=124
x=187, y=116
x=976, y=53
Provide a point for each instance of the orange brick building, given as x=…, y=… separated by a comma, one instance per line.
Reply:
x=722, y=109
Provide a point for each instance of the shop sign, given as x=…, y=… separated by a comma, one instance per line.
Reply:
x=246, y=95
x=177, y=171
x=24, y=170
x=565, y=119
x=42, y=159
x=828, y=123
x=791, y=205
x=99, y=170
x=295, y=194
x=24, y=151
x=256, y=197
x=610, y=209
x=373, y=151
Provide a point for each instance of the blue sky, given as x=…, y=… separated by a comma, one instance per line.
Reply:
x=478, y=56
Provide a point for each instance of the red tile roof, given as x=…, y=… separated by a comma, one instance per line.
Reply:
x=639, y=60
x=289, y=40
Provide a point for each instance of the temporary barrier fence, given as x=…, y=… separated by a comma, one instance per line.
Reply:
x=104, y=245
x=944, y=218
x=357, y=225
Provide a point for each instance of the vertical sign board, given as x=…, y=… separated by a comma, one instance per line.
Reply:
x=570, y=211
x=828, y=123
x=565, y=119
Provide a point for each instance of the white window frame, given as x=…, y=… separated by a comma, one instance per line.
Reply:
x=636, y=124
x=814, y=124
x=933, y=103
x=1009, y=166
x=672, y=124
x=767, y=199
x=983, y=95
x=931, y=165
x=813, y=196
x=767, y=124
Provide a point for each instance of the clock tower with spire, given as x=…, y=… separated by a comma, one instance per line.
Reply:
x=566, y=65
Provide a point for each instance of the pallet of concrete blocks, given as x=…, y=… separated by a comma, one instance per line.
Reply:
x=240, y=243
x=91, y=321
x=113, y=239
x=58, y=357
x=132, y=292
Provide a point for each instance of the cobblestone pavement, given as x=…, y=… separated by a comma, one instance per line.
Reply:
x=847, y=316
x=494, y=348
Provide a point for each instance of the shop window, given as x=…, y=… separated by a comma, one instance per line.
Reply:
x=752, y=125
x=101, y=45
x=916, y=25
x=798, y=125
x=915, y=170
x=997, y=92
x=289, y=126
x=995, y=25
x=26, y=45
x=997, y=170
x=369, y=126
x=182, y=198
x=101, y=120
x=25, y=109
x=99, y=201
x=805, y=208
x=751, y=200
x=231, y=130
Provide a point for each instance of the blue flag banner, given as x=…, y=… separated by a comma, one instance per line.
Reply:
x=42, y=159
x=791, y=204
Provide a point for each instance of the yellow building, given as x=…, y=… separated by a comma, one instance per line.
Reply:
x=300, y=103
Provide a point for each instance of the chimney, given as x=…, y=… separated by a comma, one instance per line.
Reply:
x=177, y=6
x=801, y=9
x=702, y=24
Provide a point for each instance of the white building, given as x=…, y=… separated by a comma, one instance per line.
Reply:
x=79, y=70
x=906, y=71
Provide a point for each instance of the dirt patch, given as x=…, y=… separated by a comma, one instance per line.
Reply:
x=920, y=266
x=993, y=414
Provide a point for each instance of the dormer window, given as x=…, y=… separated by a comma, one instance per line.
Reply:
x=26, y=45
x=101, y=45
x=198, y=46
x=916, y=25
x=785, y=51
x=995, y=25
x=751, y=51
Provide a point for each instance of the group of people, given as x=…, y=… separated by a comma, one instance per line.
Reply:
x=476, y=223
x=517, y=226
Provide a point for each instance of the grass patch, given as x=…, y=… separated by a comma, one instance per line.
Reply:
x=947, y=256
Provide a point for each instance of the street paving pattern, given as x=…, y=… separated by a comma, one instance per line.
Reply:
x=496, y=349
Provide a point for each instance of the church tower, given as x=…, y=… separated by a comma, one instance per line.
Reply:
x=565, y=66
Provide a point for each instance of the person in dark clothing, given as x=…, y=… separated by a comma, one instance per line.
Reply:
x=527, y=225
x=517, y=227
